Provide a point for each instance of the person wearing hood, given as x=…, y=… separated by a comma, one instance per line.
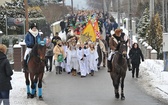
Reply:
x=31, y=39
x=5, y=76
x=135, y=55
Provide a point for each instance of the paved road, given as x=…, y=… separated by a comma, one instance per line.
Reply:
x=65, y=89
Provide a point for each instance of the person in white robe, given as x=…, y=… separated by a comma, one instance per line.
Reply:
x=81, y=59
x=72, y=58
x=93, y=57
x=86, y=56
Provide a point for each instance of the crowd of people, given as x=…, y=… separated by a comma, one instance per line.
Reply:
x=76, y=56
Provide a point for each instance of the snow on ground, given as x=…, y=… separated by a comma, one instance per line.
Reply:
x=18, y=95
x=153, y=79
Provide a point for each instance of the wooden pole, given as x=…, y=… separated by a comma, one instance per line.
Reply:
x=72, y=6
x=26, y=15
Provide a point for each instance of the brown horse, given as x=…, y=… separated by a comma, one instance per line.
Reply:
x=36, y=64
x=119, y=68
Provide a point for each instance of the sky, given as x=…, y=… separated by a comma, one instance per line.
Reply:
x=80, y=4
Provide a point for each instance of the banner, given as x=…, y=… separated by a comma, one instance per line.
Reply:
x=89, y=30
x=15, y=21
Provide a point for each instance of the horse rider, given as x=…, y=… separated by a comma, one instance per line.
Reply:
x=113, y=42
x=31, y=39
x=127, y=39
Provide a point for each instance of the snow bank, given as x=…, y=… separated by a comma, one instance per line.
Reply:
x=153, y=79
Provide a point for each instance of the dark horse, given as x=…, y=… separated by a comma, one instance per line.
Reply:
x=119, y=68
x=35, y=69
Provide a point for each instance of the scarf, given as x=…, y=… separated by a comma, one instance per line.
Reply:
x=34, y=33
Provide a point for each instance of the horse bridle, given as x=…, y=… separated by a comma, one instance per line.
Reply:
x=41, y=60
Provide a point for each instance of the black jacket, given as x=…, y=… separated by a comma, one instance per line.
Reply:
x=5, y=73
x=135, y=55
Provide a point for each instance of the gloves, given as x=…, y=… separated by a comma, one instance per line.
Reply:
x=142, y=60
x=81, y=58
x=30, y=46
x=84, y=55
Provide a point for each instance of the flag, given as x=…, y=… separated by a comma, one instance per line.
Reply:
x=89, y=30
x=96, y=28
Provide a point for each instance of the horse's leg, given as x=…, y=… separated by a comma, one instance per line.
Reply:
x=122, y=88
x=35, y=84
x=27, y=84
x=116, y=85
x=40, y=86
x=32, y=85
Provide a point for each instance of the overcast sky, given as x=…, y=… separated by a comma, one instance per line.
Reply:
x=80, y=4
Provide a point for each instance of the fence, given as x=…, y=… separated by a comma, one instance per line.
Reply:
x=147, y=50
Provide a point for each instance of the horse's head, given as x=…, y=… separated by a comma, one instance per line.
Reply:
x=122, y=48
x=41, y=49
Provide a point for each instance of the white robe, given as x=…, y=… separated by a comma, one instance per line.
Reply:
x=80, y=55
x=86, y=61
x=74, y=59
x=93, y=60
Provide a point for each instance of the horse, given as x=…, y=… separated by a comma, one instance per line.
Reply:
x=35, y=69
x=119, y=68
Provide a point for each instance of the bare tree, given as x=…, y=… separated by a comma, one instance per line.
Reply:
x=54, y=12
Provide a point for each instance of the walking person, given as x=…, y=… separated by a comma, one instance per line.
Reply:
x=49, y=54
x=5, y=76
x=135, y=55
x=59, y=56
x=55, y=39
x=93, y=57
x=81, y=59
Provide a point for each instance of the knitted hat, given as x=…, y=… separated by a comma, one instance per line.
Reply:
x=33, y=25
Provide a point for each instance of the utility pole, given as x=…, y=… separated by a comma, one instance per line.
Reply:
x=130, y=22
x=63, y=3
x=72, y=6
x=151, y=5
x=166, y=18
x=163, y=15
x=118, y=9
x=26, y=15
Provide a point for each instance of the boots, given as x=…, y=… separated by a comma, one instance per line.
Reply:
x=60, y=70
x=129, y=64
x=73, y=72
x=57, y=69
x=24, y=65
x=92, y=72
x=109, y=65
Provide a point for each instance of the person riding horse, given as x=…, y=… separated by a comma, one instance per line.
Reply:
x=114, y=41
x=31, y=39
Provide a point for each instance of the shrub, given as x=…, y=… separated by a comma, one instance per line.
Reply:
x=15, y=40
x=5, y=40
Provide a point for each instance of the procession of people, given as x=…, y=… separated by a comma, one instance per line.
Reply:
x=84, y=52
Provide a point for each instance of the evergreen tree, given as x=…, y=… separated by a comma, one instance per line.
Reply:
x=155, y=34
x=143, y=24
x=15, y=9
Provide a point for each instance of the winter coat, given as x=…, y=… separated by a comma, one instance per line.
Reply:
x=58, y=50
x=49, y=49
x=5, y=73
x=62, y=24
x=135, y=55
x=113, y=43
x=30, y=40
